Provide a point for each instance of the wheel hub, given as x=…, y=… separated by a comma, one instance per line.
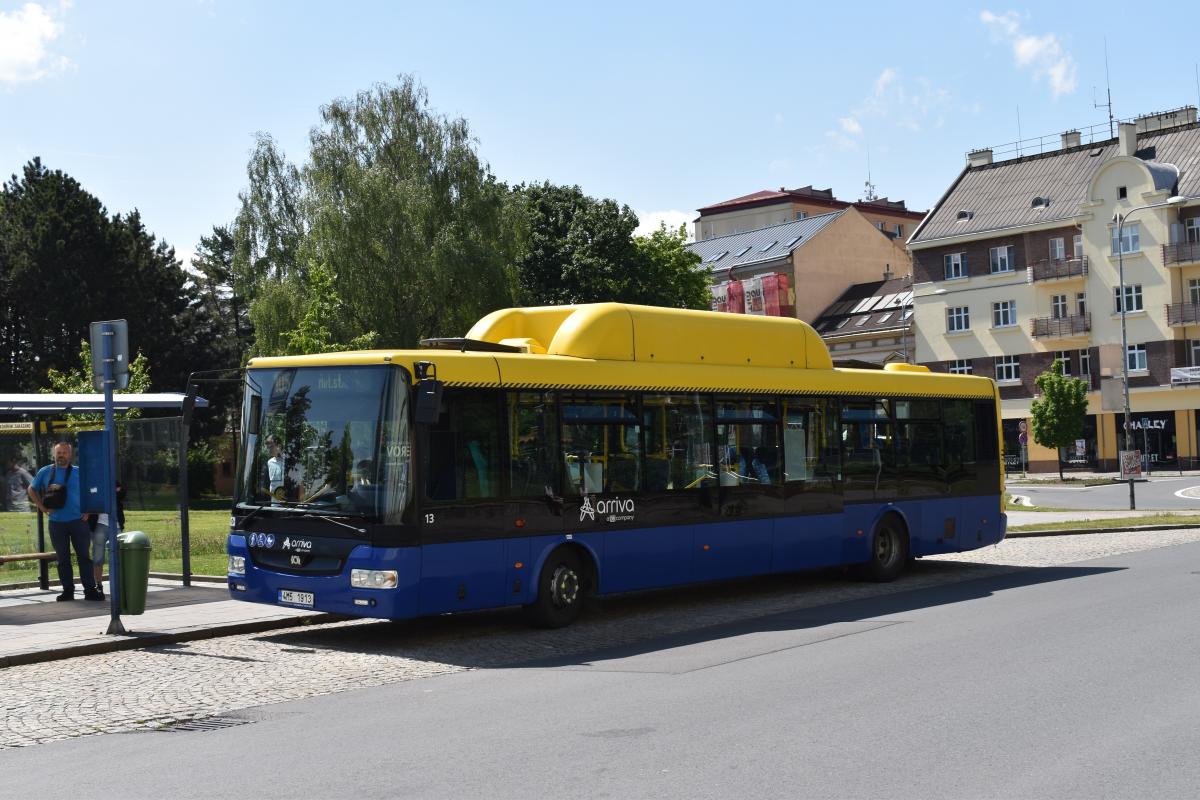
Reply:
x=564, y=586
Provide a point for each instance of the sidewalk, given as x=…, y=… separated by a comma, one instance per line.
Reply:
x=34, y=627
x=1017, y=517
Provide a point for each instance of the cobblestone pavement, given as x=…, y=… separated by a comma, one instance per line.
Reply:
x=146, y=689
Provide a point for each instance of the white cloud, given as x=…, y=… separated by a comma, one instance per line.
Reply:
x=25, y=36
x=1043, y=55
x=894, y=101
x=650, y=220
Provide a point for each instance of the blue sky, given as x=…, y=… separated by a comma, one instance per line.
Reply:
x=665, y=107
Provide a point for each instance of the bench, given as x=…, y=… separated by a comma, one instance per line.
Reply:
x=28, y=557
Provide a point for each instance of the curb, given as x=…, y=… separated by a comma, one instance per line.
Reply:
x=138, y=641
x=1079, y=531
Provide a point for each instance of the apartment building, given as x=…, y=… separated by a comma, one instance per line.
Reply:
x=797, y=268
x=767, y=207
x=1020, y=263
x=870, y=324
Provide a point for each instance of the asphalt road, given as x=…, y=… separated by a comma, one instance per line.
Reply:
x=1154, y=493
x=1065, y=681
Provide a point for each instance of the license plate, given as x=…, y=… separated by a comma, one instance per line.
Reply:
x=296, y=598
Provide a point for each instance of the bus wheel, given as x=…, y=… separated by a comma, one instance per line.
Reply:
x=560, y=590
x=889, y=551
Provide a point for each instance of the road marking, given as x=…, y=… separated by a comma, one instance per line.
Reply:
x=1190, y=493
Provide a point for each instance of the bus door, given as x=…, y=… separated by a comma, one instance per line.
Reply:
x=462, y=510
x=809, y=534
x=750, y=486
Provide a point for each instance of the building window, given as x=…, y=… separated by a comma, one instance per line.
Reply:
x=1194, y=291
x=879, y=225
x=1004, y=314
x=1133, y=298
x=1081, y=303
x=1065, y=357
x=1058, y=306
x=1077, y=246
x=899, y=230
x=1121, y=193
x=1135, y=357
x=958, y=319
x=1085, y=363
x=1001, y=259
x=1130, y=241
x=1194, y=352
x=961, y=366
x=706, y=231
x=801, y=215
x=1191, y=228
x=1058, y=249
x=956, y=265
x=1008, y=368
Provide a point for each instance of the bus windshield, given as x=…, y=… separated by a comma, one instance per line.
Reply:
x=327, y=440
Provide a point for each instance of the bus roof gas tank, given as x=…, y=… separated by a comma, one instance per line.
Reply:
x=623, y=332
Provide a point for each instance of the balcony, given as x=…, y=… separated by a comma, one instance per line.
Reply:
x=1061, y=327
x=1055, y=269
x=1181, y=253
x=1183, y=313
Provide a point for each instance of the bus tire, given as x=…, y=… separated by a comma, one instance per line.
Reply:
x=889, y=550
x=561, y=588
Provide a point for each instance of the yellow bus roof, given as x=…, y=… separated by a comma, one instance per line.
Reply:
x=626, y=347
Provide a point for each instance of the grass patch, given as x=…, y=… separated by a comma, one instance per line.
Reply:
x=206, y=529
x=1179, y=520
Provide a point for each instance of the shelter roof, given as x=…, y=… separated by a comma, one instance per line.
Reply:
x=76, y=403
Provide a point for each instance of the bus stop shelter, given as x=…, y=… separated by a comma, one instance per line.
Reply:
x=38, y=408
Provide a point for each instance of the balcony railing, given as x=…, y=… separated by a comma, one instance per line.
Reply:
x=1050, y=269
x=1181, y=253
x=1061, y=327
x=1183, y=313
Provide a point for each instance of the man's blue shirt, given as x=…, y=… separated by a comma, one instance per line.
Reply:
x=51, y=474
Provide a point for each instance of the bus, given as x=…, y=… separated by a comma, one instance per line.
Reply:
x=560, y=452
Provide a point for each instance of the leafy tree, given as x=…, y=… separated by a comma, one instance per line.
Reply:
x=1059, y=413
x=223, y=292
x=78, y=380
x=414, y=233
x=314, y=334
x=672, y=275
x=578, y=249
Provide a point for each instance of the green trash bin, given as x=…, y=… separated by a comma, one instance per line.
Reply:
x=134, y=576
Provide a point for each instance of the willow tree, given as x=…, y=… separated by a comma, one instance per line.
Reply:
x=414, y=230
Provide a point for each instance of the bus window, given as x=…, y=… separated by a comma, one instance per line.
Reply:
x=960, y=446
x=601, y=443
x=679, y=446
x=919, y=448
x=533, y=438
x=810, y=441
x=748, y=442
x=868, y=456
x=462, y=460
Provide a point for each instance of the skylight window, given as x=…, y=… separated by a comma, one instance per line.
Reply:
x=717, y=256
x=862, y=321
x=842, y=324
x=767, y=247
x=743, y=251
x=965, y=215
x=792, y=243
x=1039, y=202
x=885, y=317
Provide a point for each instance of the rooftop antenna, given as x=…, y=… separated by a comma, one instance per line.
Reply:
x=1196, y=67
x=1018, y=130
x=1108, y=89
x=869, y=196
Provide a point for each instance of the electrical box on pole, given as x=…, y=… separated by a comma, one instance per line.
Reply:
x=118, y=331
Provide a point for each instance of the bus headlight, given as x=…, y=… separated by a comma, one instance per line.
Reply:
x=237, y=565
x=373, y=578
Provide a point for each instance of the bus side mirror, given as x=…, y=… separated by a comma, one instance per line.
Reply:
x=429, y=401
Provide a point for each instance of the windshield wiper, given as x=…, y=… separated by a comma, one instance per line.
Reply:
x=246, y=518
x=333, y=521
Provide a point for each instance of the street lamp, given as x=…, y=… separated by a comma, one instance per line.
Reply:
x=1120, y=219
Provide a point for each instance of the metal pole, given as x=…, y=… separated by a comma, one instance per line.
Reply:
x=110, y=494
x=1124, y=342
x=185, y=424
x=43, y=566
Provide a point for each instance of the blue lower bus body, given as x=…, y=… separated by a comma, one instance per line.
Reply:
x=492, y=573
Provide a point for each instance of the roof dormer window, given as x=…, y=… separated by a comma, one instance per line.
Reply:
x=1040, y=203
x=964, y=215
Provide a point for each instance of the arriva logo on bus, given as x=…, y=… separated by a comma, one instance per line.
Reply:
x=615, y=510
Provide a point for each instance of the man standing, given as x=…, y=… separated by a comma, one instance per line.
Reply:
x=19, y=480
x=55, y=491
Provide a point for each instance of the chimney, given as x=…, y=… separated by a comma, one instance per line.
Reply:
x=887, y=272
x=979, y=158
x=1070, y=139
x=1127, y=137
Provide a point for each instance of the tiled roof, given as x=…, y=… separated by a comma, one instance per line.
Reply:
x=765, y=244
x=1000, y=195
x=749, y=198
x=866, y=308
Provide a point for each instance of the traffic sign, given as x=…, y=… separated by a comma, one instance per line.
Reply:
x=1021, y=426
x=118, y=331
x=1024, y=437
